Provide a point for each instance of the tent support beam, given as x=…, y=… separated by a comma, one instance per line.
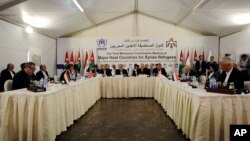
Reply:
x=93, y=26
x=11, y=4
x=196, y=5
x=172, y=23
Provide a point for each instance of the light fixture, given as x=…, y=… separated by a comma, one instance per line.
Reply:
x=35, y=21
x=78, y=5
x=241, y=19
x=29, y=29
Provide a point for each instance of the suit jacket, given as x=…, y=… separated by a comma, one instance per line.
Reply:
x=5, y=75
x=235, y=77
x=216, y=75
x=163, y=72
x=144, y=71
x=20, y=80
x=108, y=72
x=208, y=64
x=203, y=67
x=191, y=73
x=62, y=78
x=124, y=72
x=39, y=75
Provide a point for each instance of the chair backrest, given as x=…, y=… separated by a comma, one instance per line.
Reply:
x=8, y=85
x=247, y=84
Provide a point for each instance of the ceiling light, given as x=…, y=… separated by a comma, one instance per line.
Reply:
x=35, y=21
x=241, y=19
x=29, y=29
x=78, y=5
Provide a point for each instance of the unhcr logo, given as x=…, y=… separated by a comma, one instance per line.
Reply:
x=101, y=44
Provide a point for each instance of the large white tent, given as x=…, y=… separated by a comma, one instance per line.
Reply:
x=111, y=18
x=207, y=17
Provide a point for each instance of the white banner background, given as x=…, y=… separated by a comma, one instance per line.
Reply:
x=132, y=50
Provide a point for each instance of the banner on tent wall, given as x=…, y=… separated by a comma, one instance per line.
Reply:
x=131, y=51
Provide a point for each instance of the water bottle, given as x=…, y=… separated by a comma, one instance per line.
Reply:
x=211, y=83
x=41, y=83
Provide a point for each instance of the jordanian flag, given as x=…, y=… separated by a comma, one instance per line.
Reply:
x=66, y=60
x=78, y=62
x=92, y=60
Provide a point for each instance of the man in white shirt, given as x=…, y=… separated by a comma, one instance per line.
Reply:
x=230, y=74
x=42, y=73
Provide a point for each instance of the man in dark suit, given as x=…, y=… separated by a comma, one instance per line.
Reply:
x=200, y=66
x=135, y=71
x=211, y=61
x=33, y=69
x=189, y=72
x=159, y=70
x=121, y=71
x=230, y=74
x=244, y=66
x=65, y=76
x=42, y=73
x=22, y=78
x=7, y=74
x=143, y=70
x=105, y=71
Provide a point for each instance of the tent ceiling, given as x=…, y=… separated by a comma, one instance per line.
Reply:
x=209, y=17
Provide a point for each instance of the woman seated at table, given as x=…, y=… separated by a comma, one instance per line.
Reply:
x=213, y=72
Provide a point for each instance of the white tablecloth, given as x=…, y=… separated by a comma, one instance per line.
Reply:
x=28, y=116
x=127, y=87
x=201, y=115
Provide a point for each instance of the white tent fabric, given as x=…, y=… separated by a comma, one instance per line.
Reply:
x=207, y=17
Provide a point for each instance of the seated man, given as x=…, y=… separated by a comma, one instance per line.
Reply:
x=121, y=71
x=42, y=73
x=105, y=71
x=22, y=78
x=159, y=70
x=143, y=70
x=33, y=69
x=230, y=74
x=189, y=72
x=113, y=69
x=135, y=71
x=7, y=74
x=151, y=69
x=65, y=76
x=200, y=66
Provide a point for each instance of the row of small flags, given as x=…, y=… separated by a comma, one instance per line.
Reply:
x=77, y=61
x=187, y=59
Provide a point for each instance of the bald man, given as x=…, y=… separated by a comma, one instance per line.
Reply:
x=230, y=74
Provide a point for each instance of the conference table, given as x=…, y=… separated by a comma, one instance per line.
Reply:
x=202, y=116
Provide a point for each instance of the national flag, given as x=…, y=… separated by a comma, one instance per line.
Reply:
x=85, y=62
x=78, y=60
x=188, y=58
x=66, y=60
x=175, y=75
x=92, y=59
x=72, y=60
x=181, y=57
x=209, y=55
x=195, y=56
x=203, y=55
